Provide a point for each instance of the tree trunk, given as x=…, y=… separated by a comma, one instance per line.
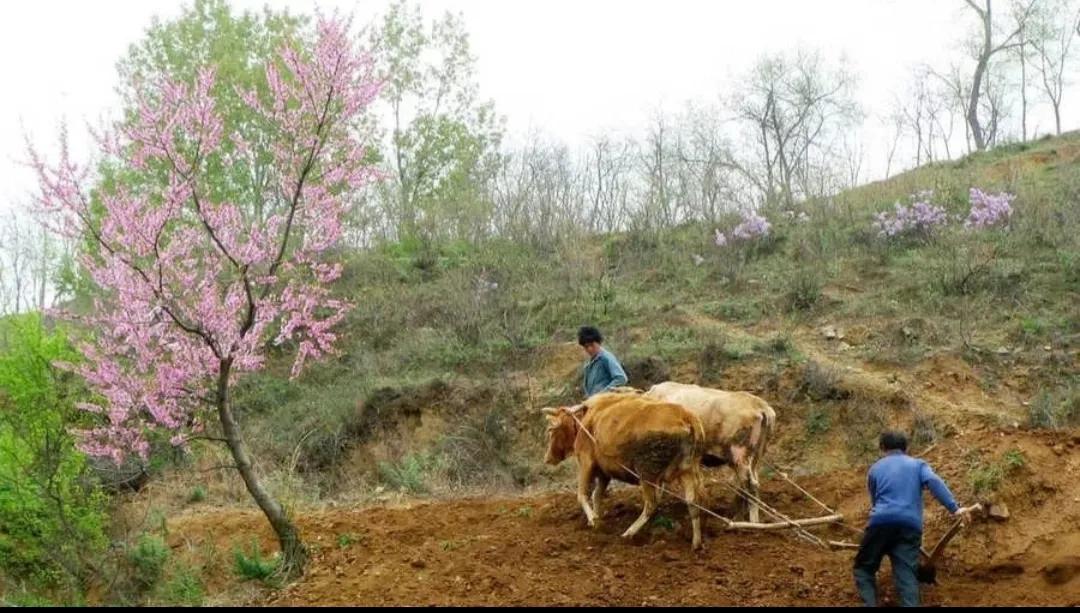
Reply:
x=976, y=82
x=1023, y=89
x=293, y=552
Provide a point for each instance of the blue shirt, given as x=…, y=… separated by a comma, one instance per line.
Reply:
x=896, y=482
x=602, y=372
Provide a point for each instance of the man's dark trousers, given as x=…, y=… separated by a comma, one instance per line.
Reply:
x=901, y=544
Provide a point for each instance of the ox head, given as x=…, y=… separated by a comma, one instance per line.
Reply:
x=561, y=431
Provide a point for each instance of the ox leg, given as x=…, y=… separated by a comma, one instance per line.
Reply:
x=691, y=486
x=754, y=488
x=747, y=481
x=598, y=495
x=648, y=493
x=585, y=481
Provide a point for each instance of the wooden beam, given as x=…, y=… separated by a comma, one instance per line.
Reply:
x=745, y=525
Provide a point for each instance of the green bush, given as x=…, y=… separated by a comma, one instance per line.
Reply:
x=817, y=421
x=408, y=475
x=253, y=566
x=1059, y=408
x=52, y=516
x=147, y=560
x=183, y=588
x=803, y=290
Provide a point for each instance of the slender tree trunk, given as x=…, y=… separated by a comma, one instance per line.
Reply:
x=1023, y=88
x=976, y=82
x=293, y=552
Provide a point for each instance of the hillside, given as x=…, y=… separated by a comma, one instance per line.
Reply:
x=413, y=459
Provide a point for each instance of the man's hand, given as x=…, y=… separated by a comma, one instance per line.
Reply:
x=964, y=514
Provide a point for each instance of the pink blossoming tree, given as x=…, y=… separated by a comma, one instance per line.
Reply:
x=192, y=289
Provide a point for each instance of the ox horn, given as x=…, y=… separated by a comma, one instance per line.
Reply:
x=549, y=410
x=577, y=408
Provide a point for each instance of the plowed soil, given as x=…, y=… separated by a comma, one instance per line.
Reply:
x=537, y=550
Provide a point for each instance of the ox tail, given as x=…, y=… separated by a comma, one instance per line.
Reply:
x=760, y=435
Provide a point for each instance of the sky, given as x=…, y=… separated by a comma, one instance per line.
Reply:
x=568, y=68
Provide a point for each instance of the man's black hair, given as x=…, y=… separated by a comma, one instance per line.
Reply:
x=589, y=334
x=893, y=440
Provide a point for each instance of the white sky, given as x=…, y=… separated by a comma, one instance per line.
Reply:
x=568, y=67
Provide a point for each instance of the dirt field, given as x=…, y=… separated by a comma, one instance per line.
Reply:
x=538, y=551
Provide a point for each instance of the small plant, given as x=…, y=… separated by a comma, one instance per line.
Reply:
x=1014, y=459
x=1057, y=409
x=197, y=495
x=821, y=382
x=184, y=588
x=347, y=539
x=451, y=545
x=923, y=429
x=781, y=344
x=664, y=522
x=148, y=559
x=804, y=290
x=408, y=475
x=817, y=422
x=253, y=566
x=985, y=478
x=525, y=512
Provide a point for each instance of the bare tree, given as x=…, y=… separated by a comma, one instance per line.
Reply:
x=957, y=93
x=791, y=108
x=1053, y=47
x=713, y=183
x=896, y=120
x=1022, y=53
x=985, y=49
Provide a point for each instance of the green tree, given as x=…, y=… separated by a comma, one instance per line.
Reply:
x=238, y=47
x=442, y=146
x=51, y=515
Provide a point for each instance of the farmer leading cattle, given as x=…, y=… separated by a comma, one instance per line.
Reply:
x=602, y=371
x=896, y=482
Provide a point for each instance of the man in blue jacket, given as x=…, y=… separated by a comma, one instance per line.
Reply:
x=896, y=482
x=602, y=371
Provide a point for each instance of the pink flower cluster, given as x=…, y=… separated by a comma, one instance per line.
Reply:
x=921, y=217
x=193, y=288
x=752, y=226
x=988, y=209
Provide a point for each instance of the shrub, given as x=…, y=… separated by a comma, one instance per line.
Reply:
x=817, y=422
x=409, y=475
x=253, y=566
x=753, y=226
x=184, y=588
x=198, y=494
x=804, y=290
x=147, y=560
x=1059, y=408
x=821, y=382
x=988, y=210
x=921, y=219
x=52, y=513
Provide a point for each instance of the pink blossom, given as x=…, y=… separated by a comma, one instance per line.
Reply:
x=190, y=285
x=921, y=218
x=988, y=209
x=752, y=226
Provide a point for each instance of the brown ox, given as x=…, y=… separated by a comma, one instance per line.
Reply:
x=738, y=426
x=615, y=436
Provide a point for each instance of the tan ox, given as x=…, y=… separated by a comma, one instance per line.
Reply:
x=616, y=436
x=738, y=426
